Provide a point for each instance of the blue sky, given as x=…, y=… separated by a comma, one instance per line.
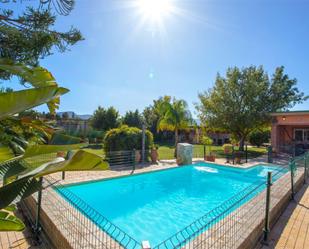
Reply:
x=127, y=63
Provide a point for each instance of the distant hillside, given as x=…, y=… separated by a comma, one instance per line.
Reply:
x=74, y=115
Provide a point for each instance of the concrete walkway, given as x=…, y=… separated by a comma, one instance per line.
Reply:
x=292, y=229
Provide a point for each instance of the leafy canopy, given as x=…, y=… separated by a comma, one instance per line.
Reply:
x=243, y=99
x=105, y=119
x=133, y=119
x=173, y=114
x=126, y=138
x=29, y=36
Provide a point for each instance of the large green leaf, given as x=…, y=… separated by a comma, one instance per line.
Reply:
x=60, y=139
x=26, y=184
x=9, y=222
x=5, y=153
x=35, y=150
x=36, y=76
x=18, y=101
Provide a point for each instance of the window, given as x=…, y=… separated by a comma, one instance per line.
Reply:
x=299, y=135
x=306, y=135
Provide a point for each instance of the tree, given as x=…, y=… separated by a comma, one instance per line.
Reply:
x=259, y=136
x=29, y=36
x=126, y=138
x=105, y=119
x=151, y=118
x=133, y=119
x=243, y=100
x=173, y=115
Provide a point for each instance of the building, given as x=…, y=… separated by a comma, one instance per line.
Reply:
x=74, y=126
x=290, y=132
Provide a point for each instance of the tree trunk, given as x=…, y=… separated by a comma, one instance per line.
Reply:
x=176, y=137
x=176, y=142
x=242, y=143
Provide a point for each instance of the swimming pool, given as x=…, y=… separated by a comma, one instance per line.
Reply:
x=154, y=206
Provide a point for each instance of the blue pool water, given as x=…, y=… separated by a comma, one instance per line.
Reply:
x=154, y=206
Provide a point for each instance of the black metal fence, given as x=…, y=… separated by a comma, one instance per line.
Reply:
x=78, y=225
x=242, y=216
x=227, y=226
x=121, y=159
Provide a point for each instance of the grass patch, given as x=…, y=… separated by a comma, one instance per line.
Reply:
x=166, y=151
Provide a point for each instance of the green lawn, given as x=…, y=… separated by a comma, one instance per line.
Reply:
x=167, y=151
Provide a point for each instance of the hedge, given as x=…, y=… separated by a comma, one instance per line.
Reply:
x=126, y=138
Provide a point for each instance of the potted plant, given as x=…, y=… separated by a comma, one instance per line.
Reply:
x=154, y=154
x=228, y=150
x=137, y=156
x=211, y=156
x=61, y=154
x=238, y=155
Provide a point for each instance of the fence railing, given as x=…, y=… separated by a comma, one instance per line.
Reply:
x=234, y=156
x=121, y=159
x=228, y=225
x=224, y=227
x=78, y=225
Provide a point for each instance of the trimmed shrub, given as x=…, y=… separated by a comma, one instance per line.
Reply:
x=126, y=138
x=258, y=137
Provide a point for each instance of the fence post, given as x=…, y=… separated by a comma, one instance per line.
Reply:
x=292, y=168
x=266, y=227
x=204, y=151
x=143, y=142
x=270, y=154
x=305, y=170
x=37, y=227
x=134, y=158
x=246, y=153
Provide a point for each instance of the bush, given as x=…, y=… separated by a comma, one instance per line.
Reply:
x=206, y=140
x=227, y=148
x=126, y=138
x=259, y=137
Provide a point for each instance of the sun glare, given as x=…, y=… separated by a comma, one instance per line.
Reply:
x=154, y=10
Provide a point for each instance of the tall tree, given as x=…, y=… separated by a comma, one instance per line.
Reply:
x=173, y=115
x=151, y=118
x=29, y=36
x=243, y=99
x=105, y=119
x=133, y=119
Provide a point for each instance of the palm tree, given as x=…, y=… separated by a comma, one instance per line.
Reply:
x=174, y=115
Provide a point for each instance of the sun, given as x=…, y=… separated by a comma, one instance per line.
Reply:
x=154, y=10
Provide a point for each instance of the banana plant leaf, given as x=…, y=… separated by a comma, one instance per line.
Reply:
x=18, y=101
x=36, y=76
x=26, y=184
x=5, y=153
x=9, y=222
x=9, y=170
x=35, y=150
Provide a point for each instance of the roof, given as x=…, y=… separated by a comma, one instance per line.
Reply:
x=290, y=113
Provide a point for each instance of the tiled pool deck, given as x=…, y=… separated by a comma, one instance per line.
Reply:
x=18, y=240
